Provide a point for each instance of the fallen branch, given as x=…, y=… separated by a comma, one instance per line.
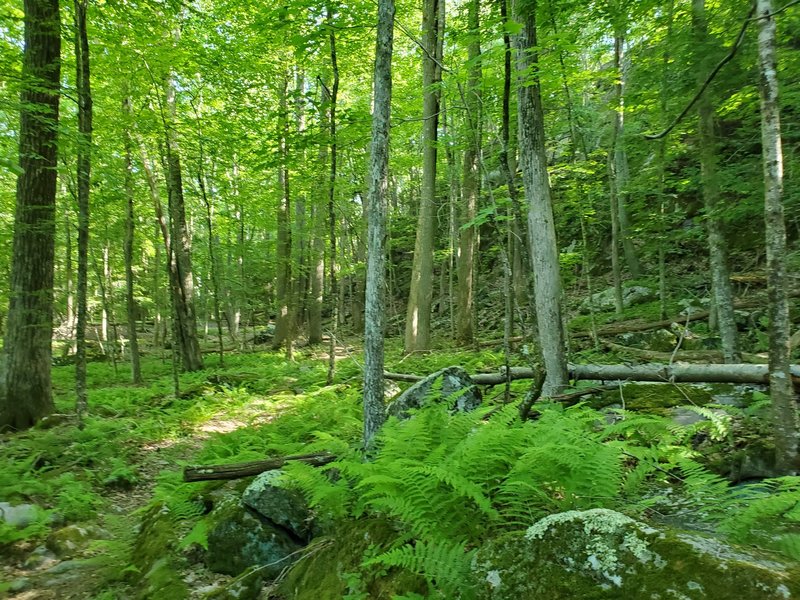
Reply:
x=656, y=372
x=702, y=356
x=248, y=469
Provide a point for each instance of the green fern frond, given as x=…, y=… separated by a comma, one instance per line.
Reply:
x=445, y=565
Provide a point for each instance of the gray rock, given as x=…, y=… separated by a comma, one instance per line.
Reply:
x=451, y=385
x=246, y=586
x=73, y=540
x=19, y=516
x=631, y=295
x=19, y=585
x=40, y=558
x=238, y=539
x=603, y=554
x=281, y=506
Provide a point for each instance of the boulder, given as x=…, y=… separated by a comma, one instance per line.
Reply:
x=279, y=505
x=239, y=538
x=246, y=586
x=601, y=553
x=157, y=575
x=74, y=540
x=20, y=515
x=631, y=295
x=451, y=385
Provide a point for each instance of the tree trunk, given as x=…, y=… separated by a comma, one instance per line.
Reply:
x=130, y=224
x=418, y=313
x=185, y=320
x=717, y=245
x=470, y=187
x=84, y=174
x=541, y=226
x=28, y=392
x=620, y=161
x=784, y=404
x=283, y=279
x=334, y=154
x=374, y=412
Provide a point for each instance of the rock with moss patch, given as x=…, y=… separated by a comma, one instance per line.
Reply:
x=246, y=586
x=74, y=540
x=156, y=576
x=631, y=295
x=285, y=507
x=601, y=553
x=451, y=385
x=239, y=538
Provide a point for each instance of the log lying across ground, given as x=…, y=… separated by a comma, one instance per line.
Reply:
x=248, y=469
x=701, y=356
x=657, y=372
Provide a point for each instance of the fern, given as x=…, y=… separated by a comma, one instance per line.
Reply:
x=445, y=565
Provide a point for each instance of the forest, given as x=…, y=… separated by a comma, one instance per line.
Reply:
x=382, y=299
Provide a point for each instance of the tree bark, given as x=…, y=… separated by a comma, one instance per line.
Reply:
x=374, y=411
x=84, y=178
x=334, y=156
x=28, y=392
x=180, y=247
x=655, y=372
x=130, y=226
x=249, y=469
x=418, y=313
x=541, y=226
x=470, y=187
x=709, y=173
x=784, y=404
x=283, y=277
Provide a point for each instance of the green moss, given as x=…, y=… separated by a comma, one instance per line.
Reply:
x=156, y=576
x=330, y=568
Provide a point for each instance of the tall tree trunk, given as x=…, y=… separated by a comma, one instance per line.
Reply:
x=418, y=313
x=84, y=175
x=541, y=225
x=185, y=320
x=318, y=225
x=130, y=225
x=28, y=393
x=374, y=413
x=709, y=172
x=784, y=403
x=470, y=186
x=283, y=279
x=663, y=237
x=334, y=165
x=620, y=160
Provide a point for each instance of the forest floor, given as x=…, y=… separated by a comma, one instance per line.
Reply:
x=101, y=478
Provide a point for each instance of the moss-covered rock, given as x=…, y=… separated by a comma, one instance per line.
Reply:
x=285, y=507
x=330, y=567
x=451, y=385
x=238, y=539
x=74, y=540
x=246, y=586
x=603, y=554
x=156, y=576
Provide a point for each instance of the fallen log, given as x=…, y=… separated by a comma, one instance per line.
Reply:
x=639, y=325
x=702, y=356
x=656, y=372
x=248, y=469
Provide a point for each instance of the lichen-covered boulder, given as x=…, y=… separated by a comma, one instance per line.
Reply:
x=273, y=501
x=451, y=385
x=603, y=554
x=631, y=295
x=238, y=539
x=74, y=540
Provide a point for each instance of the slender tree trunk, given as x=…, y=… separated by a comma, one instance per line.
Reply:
x=709, y=172
x=28, y=393
x=334, y=156
x=663, y=241
x=418, y=313
x=318, y=225
x=470, y=186
x=374, y=413
x=70, y=284
x=621, y=172
x=541, y=225
x=180, y=247
x=784, y=402
x=84, y=174
x=130, y=225
x=283, y=280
